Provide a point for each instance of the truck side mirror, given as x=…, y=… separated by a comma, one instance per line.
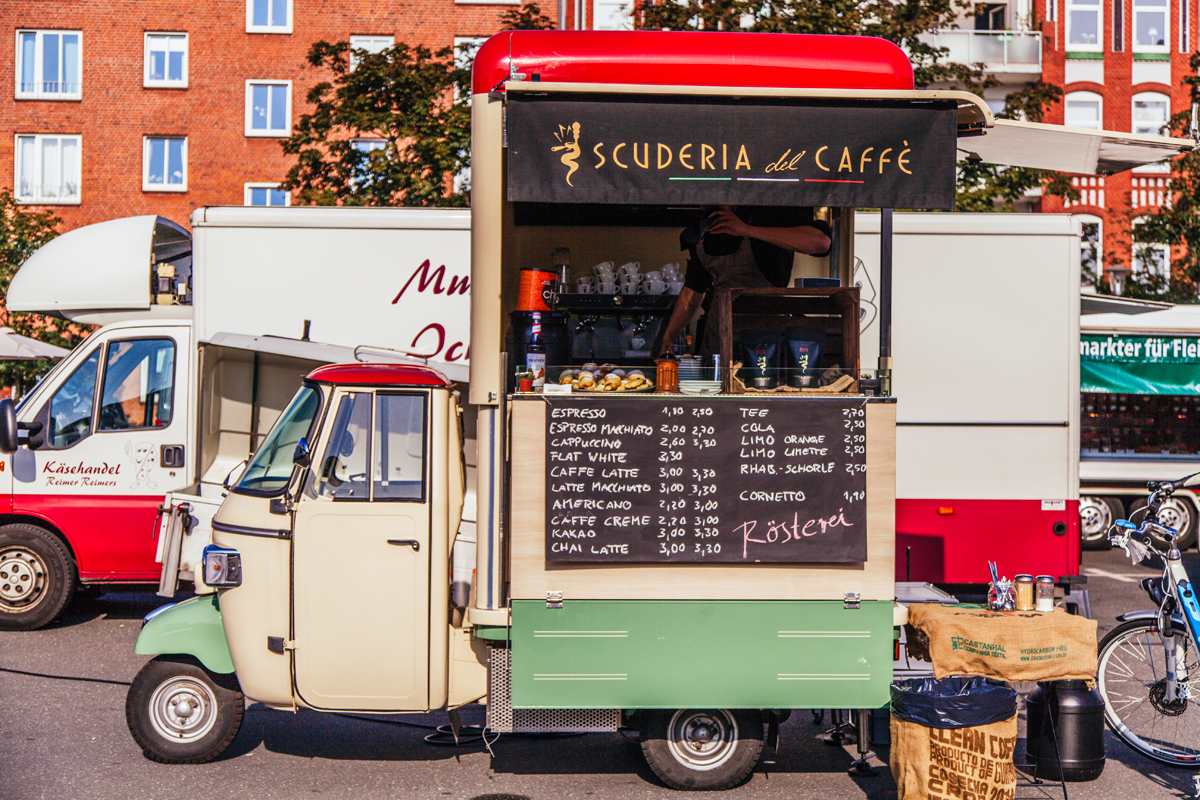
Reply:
x=235, y=474
x=8, y=426
x=302, y=456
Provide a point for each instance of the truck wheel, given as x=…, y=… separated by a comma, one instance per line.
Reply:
x=1175, y=512
x=1096, y=518
x=37, y=577
x=180, y=713
x=702, y=749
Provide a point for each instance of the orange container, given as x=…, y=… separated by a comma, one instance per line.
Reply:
x=529, y=293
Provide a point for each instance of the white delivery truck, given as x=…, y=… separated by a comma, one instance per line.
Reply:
x=1140, y=398
x=205, y=338
x=984, y=344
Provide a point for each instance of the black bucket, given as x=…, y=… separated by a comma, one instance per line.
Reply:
x=1078, y=716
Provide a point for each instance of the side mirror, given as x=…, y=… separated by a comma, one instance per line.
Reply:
x=302, y=456
x=235, y=474
x=8, y=426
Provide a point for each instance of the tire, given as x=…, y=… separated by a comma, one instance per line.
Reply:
x=702, y=749
x=1131, y=677
x=37, y=577
x=1175, y=512
x=180, y=713
x=1096, y=518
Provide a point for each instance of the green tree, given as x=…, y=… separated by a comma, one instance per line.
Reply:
x=1176, y=223
x=979, y=185
x=403, y=97
x=527, y=17
x=23, y=230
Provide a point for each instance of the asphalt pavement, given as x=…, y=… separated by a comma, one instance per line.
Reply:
x=63, y=735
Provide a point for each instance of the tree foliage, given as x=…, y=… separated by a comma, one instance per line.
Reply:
x=980, y=186
x=403, y=97
x=1176, y=224
x=22, y=231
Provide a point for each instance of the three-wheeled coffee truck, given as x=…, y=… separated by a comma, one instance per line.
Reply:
x=691, y=565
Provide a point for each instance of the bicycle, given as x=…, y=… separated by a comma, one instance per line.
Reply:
x=1148, y=672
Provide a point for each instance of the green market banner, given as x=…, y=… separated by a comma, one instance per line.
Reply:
x=1168, y=365
x=734, y=151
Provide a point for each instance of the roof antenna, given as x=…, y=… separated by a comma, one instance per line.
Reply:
x=307, y=325
x=513, y=75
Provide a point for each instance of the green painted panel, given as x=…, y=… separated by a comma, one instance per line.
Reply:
x=701, y=654
x=191, y=628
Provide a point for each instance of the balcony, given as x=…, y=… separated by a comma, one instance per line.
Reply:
x=1017, y=52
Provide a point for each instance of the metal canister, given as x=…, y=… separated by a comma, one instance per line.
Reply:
x=716, y=366
x=1025, y=590
x=1045, y=593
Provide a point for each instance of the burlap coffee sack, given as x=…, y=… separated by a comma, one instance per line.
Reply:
x=1007, y=645
x=933, y=764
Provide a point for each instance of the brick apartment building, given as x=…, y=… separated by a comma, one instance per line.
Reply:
x=113, y=108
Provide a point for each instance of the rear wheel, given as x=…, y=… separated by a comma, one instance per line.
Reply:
x=37, y=577
x=180, y=713
x=702, y=749
x=1096, y=517
x=1175, y=512
x=1132, y=679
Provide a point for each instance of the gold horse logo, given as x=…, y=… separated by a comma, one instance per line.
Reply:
x=570, y=147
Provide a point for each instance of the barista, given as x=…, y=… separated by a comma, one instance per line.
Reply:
x=742, y=247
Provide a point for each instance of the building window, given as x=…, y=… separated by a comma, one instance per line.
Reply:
x=266, y=194
x=1151, y=262
x=1150, y=20
x=166, y=61
x=371, y=44
x=1091, y=249
x=268, y=108
x=1084, y=23
x=1118, y=25
x=164, y=164
x=47, y=167
x=1151, y=111
x=48, y=65
x=1084, y=110
x=268, y=16
x=612, y=15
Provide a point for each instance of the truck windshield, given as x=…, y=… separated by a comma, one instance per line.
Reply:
x=271, y=466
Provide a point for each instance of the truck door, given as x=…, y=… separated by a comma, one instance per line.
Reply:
x=361, y=566
x=112, y=443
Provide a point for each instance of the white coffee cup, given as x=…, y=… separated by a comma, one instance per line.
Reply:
x=584, y=285
x=630, y=286
x=603, y=268
x=657, y=286
x=675, y=287
x=607, y=286
x=669, y=270
x=630, y=268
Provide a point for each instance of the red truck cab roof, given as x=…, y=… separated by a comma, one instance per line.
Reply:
x=379, y=375
x=693, y=58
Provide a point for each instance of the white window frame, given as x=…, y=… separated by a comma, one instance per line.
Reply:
x=1084, y=245
x=1142, y=7
x=248, y=188
x=370, y=43
x=276, y=28
x=1094, y=6
x=164, y=83
x=1145, y=97
x=36, y=197
x=624, y=7
x=147, y=186
x=1080, y=98
x=1135, y=249
x=39, y=42
x=270, y=132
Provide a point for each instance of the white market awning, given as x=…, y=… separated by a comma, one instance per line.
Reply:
x=1072, y=150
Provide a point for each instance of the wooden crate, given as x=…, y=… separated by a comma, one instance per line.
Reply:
x=836, y=310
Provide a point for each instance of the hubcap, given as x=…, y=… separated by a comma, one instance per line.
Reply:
x=183, y=709
x=1095, y=517
x=22, y=578
x=702, y=740
x=1174, y=513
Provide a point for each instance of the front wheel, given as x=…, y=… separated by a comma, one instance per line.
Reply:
x=37, y=577
x=702, y=749
x=180, y=713
x=1132, y=679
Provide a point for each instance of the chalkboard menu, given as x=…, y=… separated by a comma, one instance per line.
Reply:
x=691, y=480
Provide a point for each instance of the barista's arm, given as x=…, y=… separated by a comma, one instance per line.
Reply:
x=685, y=308
x=799, y=239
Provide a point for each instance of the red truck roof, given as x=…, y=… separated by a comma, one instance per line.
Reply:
x=379, y=375
x=693, y=58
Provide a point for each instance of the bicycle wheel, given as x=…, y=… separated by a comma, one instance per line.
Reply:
x=1132, y=680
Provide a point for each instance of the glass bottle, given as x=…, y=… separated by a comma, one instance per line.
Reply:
x=535, y=354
